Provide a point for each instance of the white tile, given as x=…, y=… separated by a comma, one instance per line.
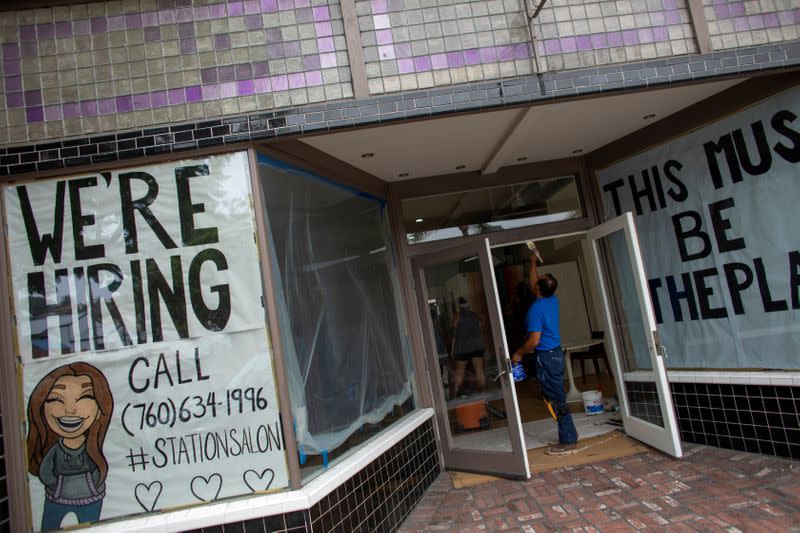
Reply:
x=781, y=380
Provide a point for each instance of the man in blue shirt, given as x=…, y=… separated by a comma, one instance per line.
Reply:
x=544, y=340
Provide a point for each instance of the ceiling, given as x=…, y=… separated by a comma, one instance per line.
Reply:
x=493, y=139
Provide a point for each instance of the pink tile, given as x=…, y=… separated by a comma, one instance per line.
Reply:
x=405, y=66
x=327, y=60
x=422, y=63
x=314, y=78
x=211, y=92
x=321, y=14
x=439, y=61
x=228, y=89
x=324, y=29
x=326, y=44
x=297, y=80
x=262, y=85
x=379, y=6
x=384, y=37
x=279, y=83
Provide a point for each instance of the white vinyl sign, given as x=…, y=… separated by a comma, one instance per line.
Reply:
x=718, y=212
x=146, y=368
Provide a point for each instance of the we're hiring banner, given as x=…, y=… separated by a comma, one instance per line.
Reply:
x=718, y=212
x=147, y=373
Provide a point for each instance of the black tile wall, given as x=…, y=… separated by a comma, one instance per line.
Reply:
x=177, y=138
x=378, y=498
x=752, y=418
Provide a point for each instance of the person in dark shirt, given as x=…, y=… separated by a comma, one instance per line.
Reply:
x=467, y=347
x=544, y=341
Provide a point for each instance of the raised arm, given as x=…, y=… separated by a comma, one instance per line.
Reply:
x=533, y=273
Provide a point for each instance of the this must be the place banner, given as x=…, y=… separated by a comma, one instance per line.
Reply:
x=147, y=375
x=718, y=212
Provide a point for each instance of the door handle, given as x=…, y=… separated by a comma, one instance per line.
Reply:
x=500, y=374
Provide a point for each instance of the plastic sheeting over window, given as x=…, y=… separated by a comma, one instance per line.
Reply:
x=346, y=356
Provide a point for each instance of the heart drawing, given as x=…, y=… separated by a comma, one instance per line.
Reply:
x=147, y=495
x=258, y=482
x=206, y=489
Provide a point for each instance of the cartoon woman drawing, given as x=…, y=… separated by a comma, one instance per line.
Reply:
x=68, y=416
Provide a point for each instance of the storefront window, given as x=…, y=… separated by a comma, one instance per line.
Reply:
x=346, y=354
x=476, y=211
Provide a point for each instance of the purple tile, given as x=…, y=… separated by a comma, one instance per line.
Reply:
x=552, y=46
x=202, y=13
x=150, y=19
x=262, y=85
x=226, y=73
x=106, y=106
x=584, y=42
x=297, y=80
x=222, y=41
x=439, y=61
x=569, y=44
x=188, y=46
x=488, y=54
x=521, y=51
x=167, y=16
x=124, y=104
x=89, y=108
x=324, y=29
x=722, y=11
x=599, y=41
x=673, y=17
x=797, y=16
x=218, y=11
x=158, y=98
x=285, y=5
x=379, y=6
x=27, y=32
x=756, y=22
x=184, y=14
x=327, y=60
x=14, y=100
x=384, y=37
x=45, y=31
x=311, y=62
x=34, y=114
x=251, y=7
x=455, y=59
x=141, y=101
x=405, y=66
x=321, y=14
x=630, y=37
x=646, y=35
x=386, y=52
x=133, y=21
x=11, y=51
x=279, y=83
x=63, y=29
x=737, y=9
x=253, y=22
x=786, y=18
x=614, y=38
x=116, y=23
x=260, y=68
x=13, y=83
x=292, y=48
x=70, y=110
x=11, y=67
x=403, y=50
x=669, y=4
x=268, y=6
x=422, y=63
x=244, y=71
x=33, y=98
x=82, y=27
x=208, y=75
x=275, y=51
x=152, y=34
x=235, y=9
x=657, y=18
x=504, y=53
x=740, y=24
x=245, y=87
x=304, y=16
x=175, y=96
x=99, y=25
x=193, y=93
x=211, y=92
x=326, y=44
x=30, y=49
x=472, y=57
x=228, y=90
x=52, y=112
x=661, y=34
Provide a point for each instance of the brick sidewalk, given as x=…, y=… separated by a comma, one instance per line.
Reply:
x=710, y=489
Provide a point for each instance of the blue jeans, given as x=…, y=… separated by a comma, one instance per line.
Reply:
x=550, y=371
x=54, y=513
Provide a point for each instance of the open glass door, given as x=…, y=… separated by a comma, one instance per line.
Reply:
x=635, y=348
x=468, y=362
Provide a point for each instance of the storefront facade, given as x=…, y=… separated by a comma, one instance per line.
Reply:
x=237, y=219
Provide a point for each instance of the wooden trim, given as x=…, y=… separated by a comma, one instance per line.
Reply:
x=13, y=409
x=271, y=311
x=446, y=183
x=700, y=26
x=301, y=154
x=355, y=53
x=709, y=110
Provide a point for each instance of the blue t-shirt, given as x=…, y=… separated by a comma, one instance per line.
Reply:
x=543, y=317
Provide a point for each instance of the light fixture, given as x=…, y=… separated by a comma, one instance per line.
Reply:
x=649, y=116
x=523, y=158
x=459, y=167
x=418, y=220
x=403, y=175
x=367, y=155
x=579, y=150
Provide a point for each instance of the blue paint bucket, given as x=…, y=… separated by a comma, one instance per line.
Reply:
x=518, y=371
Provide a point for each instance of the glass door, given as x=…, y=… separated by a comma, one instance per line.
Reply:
x=635, y=349
x=468, y=362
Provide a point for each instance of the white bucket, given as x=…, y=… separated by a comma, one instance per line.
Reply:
x=592, y=402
